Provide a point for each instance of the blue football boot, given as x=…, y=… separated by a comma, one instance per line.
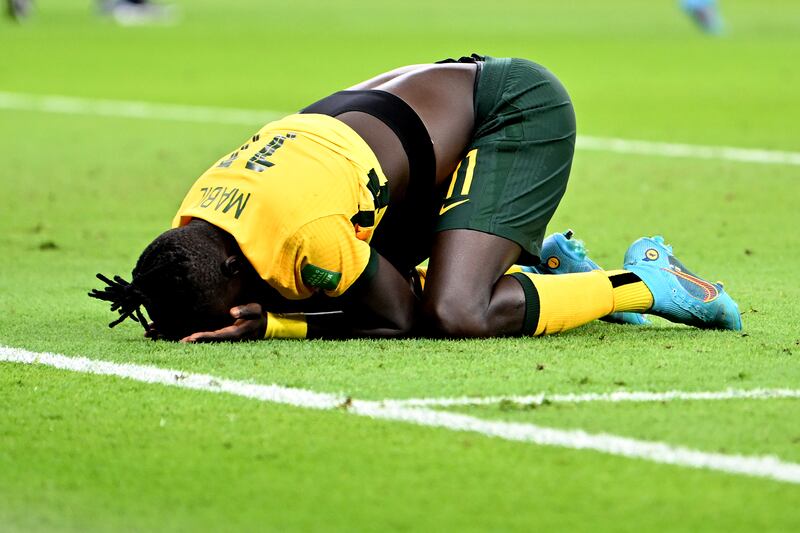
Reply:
x=679, y=295
x=561, y=254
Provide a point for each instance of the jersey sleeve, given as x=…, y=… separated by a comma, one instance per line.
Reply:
x=323, y=256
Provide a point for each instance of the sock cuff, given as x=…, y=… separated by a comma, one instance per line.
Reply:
x=532, y=307
x=619, y=278
x=630, y=292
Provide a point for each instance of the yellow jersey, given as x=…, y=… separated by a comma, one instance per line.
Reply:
x=302, y=198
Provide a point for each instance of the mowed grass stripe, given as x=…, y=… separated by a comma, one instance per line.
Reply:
x=223, y=115
x=755, y=466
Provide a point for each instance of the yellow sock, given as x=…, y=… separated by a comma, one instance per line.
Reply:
x=559, y=303
x=630, y=292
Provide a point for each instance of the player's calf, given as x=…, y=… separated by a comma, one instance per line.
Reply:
x=474, y=312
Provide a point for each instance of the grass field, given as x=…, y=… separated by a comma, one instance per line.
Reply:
x=84, y=190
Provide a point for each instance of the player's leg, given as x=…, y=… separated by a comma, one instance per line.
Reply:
x=464, y=294
x=496, y=209
x=500, y=199
x=561, y=254
x=467, y=293
x=461, y=300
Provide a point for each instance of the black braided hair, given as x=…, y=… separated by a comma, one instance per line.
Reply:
x=124, y=297
x=179, y=279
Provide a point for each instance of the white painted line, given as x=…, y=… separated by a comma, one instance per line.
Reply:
x=755, y=466
x=617, y=396
x=134, y=109
x=658, y=452
x=693, y=151
x=258, y=117
x=175, y=378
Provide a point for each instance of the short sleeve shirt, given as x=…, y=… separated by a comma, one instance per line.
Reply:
x=302, y=198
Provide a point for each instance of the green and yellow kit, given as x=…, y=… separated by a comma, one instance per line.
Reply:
x=302, y=198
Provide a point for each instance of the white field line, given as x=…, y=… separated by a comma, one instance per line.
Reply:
x=618, y=396
x=133, y=109
x=769, y=467
x=256, y=117
x=693, y=151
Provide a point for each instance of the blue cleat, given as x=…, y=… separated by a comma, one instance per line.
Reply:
x=561, y=254
x=679, y=295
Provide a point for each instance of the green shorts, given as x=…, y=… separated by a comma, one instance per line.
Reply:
x=518, y=162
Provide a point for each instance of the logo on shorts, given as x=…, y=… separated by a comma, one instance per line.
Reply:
x=447, y=207
x=553, y=262
x=651, y=254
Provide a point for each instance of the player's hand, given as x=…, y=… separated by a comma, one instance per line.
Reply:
x=251, y=323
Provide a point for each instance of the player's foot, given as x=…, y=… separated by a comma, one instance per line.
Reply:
x=18, y=9
x=679, y=295
x=561, y=254
x=705, y=15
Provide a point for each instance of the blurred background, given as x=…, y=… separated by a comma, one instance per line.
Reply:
x=635, y=69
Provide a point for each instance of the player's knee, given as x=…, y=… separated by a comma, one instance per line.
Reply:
x=455, y=317
x=403, y=323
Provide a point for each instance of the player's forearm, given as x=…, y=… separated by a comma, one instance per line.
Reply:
x=381, y=305
x=343, y=325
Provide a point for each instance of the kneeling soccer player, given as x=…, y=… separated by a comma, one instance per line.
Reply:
x=331, y=209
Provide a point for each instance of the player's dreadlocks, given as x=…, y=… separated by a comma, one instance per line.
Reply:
x=180, y=279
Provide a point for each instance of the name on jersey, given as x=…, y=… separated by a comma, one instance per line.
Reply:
x=224, y=199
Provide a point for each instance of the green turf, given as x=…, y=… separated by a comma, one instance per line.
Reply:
x=83, y=194
x=191, y=460
x=775, y=433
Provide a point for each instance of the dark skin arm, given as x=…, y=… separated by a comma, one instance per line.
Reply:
x=385, y=307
